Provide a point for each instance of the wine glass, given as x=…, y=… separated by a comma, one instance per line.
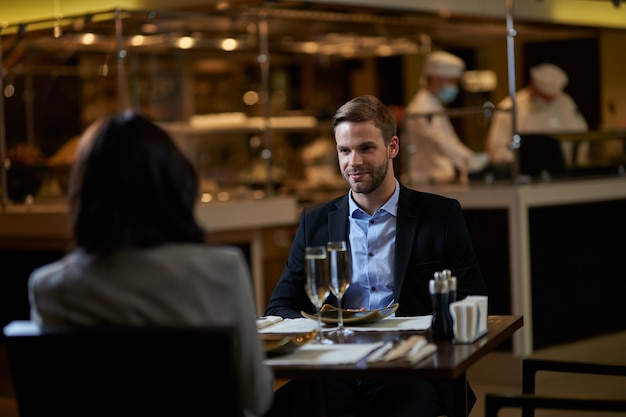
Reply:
x=317, y=284
x=339, y=266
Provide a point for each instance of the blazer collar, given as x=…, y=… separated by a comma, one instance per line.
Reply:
x=338, y=220
x=406, y=228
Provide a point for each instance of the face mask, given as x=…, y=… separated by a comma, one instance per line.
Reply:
x=448, y=93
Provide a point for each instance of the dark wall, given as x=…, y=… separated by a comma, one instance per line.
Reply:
x=576, y=253
x=577, y=258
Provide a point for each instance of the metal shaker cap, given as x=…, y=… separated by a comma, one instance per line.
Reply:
x=438, y=284
x=447, y=274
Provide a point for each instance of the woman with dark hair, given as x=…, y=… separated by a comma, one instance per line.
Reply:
x=140, y=257
x=131, y=186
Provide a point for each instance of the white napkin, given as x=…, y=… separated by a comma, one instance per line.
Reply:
x=312, y=354
x=409, y=351
x=469, y=318
x=395, y=323
x=263, y=322
x=300, y=325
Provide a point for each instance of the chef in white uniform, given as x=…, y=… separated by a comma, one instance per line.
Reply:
x=436, y=154
x=542, y=107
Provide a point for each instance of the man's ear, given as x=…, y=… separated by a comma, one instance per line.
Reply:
x=394, y=147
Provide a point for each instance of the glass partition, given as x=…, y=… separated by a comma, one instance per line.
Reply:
x=246, y=91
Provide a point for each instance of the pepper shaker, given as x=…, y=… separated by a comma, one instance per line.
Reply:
x=447, y=274
x=441, y=326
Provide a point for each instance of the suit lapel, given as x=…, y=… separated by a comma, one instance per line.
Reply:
x=406, y=226
x=338, y=221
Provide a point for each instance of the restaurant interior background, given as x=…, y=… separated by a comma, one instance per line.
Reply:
x=254, y=115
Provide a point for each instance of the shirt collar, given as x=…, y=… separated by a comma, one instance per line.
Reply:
x=391, y=206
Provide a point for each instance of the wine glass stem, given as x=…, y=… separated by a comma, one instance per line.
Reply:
x=318, y=337
x=340, y=314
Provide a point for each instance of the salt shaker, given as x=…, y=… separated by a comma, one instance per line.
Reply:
x=441, y=326
x=447, y=274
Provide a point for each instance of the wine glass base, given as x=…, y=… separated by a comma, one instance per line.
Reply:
x=323, y=341
x=341, y=333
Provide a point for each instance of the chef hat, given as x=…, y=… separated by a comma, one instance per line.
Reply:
x=443, y=64
x=548, y=79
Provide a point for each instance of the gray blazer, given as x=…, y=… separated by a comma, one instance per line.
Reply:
x=169, y=285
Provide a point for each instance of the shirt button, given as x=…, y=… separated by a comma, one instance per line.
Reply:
x=370, y=254
x=371, y=221
x=373, y=288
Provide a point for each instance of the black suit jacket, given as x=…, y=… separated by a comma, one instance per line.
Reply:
x=431, y=235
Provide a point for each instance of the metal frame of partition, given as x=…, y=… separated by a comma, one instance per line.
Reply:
x=3, y=172
x=510, y=49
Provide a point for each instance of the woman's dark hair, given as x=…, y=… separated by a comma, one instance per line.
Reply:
x=131, y=186
x=365, y=108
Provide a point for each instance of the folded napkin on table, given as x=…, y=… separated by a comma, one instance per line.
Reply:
x=395, y=323
x=409, y=351
x=263, y=322
x=313, y=354
x=288, y=326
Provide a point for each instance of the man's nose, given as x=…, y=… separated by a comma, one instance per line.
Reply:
x=355, y=159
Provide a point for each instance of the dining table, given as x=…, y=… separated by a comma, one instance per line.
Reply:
x=449, y=361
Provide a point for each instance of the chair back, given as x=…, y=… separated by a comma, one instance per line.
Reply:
x=123, y=371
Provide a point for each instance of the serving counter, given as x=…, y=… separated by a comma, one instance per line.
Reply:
x=565, y=243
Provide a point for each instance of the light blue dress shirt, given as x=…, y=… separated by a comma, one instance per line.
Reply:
x=372, y=248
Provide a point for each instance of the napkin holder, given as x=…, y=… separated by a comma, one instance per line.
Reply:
x=469, y=318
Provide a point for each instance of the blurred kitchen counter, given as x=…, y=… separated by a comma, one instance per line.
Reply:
x=263, y=228
x=45, y=225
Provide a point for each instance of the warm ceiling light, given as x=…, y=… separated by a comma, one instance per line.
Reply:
x=9, y=90
x=251, y=98
x=137, y=40
x=103, y=69
x=479, y=81
x=310, y=47
x=185, y=42
x=88, y=39
x=229, y=44
x=222, y=5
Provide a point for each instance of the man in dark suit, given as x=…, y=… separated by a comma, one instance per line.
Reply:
x=398, y=238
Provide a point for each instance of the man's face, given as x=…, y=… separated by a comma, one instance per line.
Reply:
x=437, y=83
x=363, y=157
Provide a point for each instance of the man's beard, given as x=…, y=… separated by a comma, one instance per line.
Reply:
x=378, y=176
